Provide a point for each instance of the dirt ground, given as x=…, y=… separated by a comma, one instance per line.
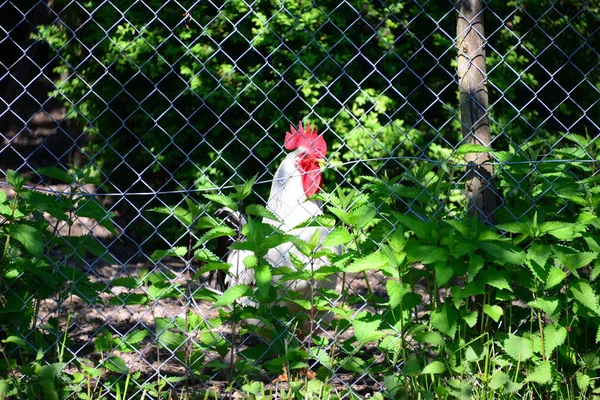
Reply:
x=87, y=321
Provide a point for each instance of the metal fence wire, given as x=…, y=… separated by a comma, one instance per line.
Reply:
x=157, y=103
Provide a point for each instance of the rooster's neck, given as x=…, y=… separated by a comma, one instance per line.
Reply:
x=287, y=199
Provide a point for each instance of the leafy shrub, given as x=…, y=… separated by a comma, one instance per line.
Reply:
x=34, y=353
x=466, y=309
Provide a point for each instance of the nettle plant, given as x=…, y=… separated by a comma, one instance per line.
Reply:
x=38, y=264
x=261, y=302
x=463, y=309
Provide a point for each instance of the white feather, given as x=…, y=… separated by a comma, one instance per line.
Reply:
x=287, y=201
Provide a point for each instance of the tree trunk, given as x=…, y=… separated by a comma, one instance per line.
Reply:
x=480, y=190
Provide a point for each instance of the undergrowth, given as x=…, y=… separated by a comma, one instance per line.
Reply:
x=462, y=309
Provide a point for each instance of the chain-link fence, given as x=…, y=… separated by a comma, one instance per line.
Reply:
x=145, y=107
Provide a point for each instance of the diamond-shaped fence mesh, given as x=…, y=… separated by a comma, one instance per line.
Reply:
x=145, y=107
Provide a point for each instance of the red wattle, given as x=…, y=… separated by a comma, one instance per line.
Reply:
x=311, y=176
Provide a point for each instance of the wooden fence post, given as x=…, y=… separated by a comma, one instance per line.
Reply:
x=472, y=75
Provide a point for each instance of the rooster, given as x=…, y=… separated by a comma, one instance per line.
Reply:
x=297, y=179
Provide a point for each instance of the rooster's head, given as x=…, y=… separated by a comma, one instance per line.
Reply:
x=310, y=150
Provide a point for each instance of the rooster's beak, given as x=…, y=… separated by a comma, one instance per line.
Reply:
x=321, y=161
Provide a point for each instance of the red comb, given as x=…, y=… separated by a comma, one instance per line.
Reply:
x=306, y=138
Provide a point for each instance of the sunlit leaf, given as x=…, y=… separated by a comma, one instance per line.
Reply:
x=518, y=347
x=232, y=294
x=541, y=373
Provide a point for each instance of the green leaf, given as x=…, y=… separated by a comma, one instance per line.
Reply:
x=577, y=260
x=5, y=386
x=263, y=276
x=15, y=180
x=115, y=364
x=338, y=236
x=476, y=262
x=584, y=294
x=444, y=320
x=51, y=371
x=222, y=200
x=261, y=211
x=128, y=298
x=181, y=214
x=554, y=336
x=104, y=342
x=232, y=294
x=244, y=190
x=28, y=236
x=56, y=173
x=595, y=270
x=48, y=389
x=354, y=364
x=365, y=328
x=252, y=388
x=515, y=227
x=548, y=305
x=504, y=253
x=371, y=262
x=435, y=367
x=364, y=215
x=494, y=312
x=158, y=291
x=411, y=367
x=562, y=230
x=128, y=282
x=495, y=278
x=16, y=340
x=171, y=340
x=420, y=228
x=341, y=215
x=325, y=221
x=205, y=255
x=541, y=374
x=518, y=348
x=593, y=242
x=431, y=337
x=212, y=266
x=396, y=292
x=539, y=253
x=498, y=380
x=583, y=381
x=426, y=254
x=206, y=223
x=443, y=273
x=555, y=276
x=470, y=318
x=216, y=232
x=158, y=255
x=47, y=203
x=467, y=148
x=137, y=336
x=90, y=208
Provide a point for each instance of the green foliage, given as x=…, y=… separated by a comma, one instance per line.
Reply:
x=178, y=88
x=456, y=294
x=191, y=81
x=33, y=354
x=192, y=91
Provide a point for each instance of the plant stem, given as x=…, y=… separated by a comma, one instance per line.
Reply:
x=539, y=318
x=7, y=243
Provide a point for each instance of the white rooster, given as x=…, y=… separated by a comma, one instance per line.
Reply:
x=297, y=178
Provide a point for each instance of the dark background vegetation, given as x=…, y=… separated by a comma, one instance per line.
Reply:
x=190, y=95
